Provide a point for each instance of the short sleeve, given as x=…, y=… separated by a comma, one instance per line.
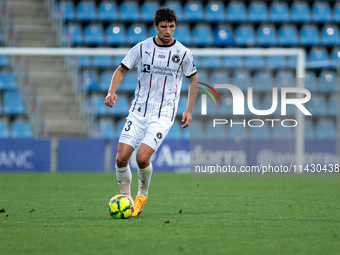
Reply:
x=132, y=58
x=189, y=67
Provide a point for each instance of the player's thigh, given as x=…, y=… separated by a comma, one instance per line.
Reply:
x=144, y=154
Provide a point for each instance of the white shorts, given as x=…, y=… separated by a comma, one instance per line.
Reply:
x=138, y=130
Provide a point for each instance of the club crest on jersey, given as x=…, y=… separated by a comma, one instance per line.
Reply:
x=176, y=58
x=159, y=135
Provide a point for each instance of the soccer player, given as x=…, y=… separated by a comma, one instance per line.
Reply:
x=161, y=62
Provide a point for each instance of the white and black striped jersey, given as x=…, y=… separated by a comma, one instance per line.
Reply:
x=160, y=70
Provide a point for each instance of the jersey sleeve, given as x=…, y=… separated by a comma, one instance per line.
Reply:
x=132, y=58
x=189, y=67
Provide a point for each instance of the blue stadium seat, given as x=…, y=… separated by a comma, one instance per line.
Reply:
x=7, y=80
x=175, y=131
x=183, y=34
x=281, y=132
x=177, y=7
x=4, y=132
x=107, y=11
x=121, y=107
x=335, y=55
x=148, y=10
x=220, y=76
x=65, y=9
x=236, y=12
x=333, y=106
x=194, y=11
x=217, y=132
x=276, y=62
x=223, y=36
x=196, y=130
x=203, y=35
x=84, y=61
x=102, y=61
x=311, y=82
x=337, y=12
x=136, y=33
x=288, y=35
x=318, y=58
x=13, y=103
x=258, y=12
x=330, y=35
x=89, y=80
x=285, y=79
x=325, y=129
x=279, y=12
x=105, y=129
x=21, y=129
x=94, y=35
x=129, y=82
x=4, y=61
x=255, y=62
x=241, y=79
x=245, y=35
x=238, y=132
x=309, y=35
x=97, y=105
x=115, y=34
x=266, y=35
x=233, y=62
x=257, y=133
x=72, y=33
x=152, y=31
x=182, y=105
x=322, y=12
x=129, y=11
x=117, y=60
x=105, y=80
x=215, y=12
x=300, y=12
x=263, y=82
x=328, y=82
x=309, y=130
x=317, y=106
x=211, y=62
x=120, y=126
x=86, y=11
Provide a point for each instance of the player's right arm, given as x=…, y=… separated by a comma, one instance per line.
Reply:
x=117, y=78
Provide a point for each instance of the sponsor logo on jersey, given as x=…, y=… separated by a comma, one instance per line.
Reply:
x=146, y=68
x=176, y=58
x=148, y=53
x=161, y=56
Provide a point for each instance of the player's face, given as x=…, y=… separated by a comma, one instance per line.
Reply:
x=165, y=31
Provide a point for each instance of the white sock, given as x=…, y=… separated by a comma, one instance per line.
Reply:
x=124, y=178
x=144, y=180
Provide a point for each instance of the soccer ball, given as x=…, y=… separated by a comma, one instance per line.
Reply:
x=121, y=207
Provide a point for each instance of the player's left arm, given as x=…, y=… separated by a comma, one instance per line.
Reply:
x=192, y=94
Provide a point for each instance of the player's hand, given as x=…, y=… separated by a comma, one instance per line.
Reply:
x=110, y=100
x=186, y=118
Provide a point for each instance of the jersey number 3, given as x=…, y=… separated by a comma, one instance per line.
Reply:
x=128, y=125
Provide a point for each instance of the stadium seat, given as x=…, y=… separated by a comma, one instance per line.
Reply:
x=276, y=62
x=236, y=12
x=257, y=133
x=175, y=131
x=21, y=129
x=254, y=62
x=72, y=33
x=245, y=35
x=177, y=7
x=309, y=35
x=105, y=80
x=322, y=12
x=318, y=58
x=300, y=12
x=86, y=11
x=102, y=61
x=97, y=105
x=223, y=36
x=325, y=129
x=328, y=81
x=107, y=11
x=279, y=12
x=115, y=34
x=211, y=62
x=203, y=35
x=285, y=79
x=13, y=103
x=148, y=10
x=309, y=130
x=182, y=105
x=263, y=82
x=65, y=9
x=136, y=34
x=217, y=132
x=129, y=82
x=266, y=35
x=258, y=12
x=335, y=55
x=7, y=80
x=194, y=11
x=4, y=132
x=241, y=79
x=215, y=12
x=84, y=61
x=4, y=61
x=281, y=132
x=330, y=35
x=152, y=31
x=183, y=34
x=288, y=35
x=129, y=11
x=89, y=80
x=233, y=62
x=119, y=129
x=121, y=107
x=311, y=82
x=105, y=129
x=220, y=76
x=337, y=12
x=317, y=106
x=196, y=130
x=117, y=60
x=333, y=106
x=94, y=35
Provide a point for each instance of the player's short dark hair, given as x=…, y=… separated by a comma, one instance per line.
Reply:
x=165, y=14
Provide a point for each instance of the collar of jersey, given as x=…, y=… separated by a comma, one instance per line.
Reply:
x=154, y=40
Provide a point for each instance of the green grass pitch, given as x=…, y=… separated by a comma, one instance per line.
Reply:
x=67, y=214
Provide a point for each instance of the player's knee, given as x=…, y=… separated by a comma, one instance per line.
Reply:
x=121, y=161
x=143, y=160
